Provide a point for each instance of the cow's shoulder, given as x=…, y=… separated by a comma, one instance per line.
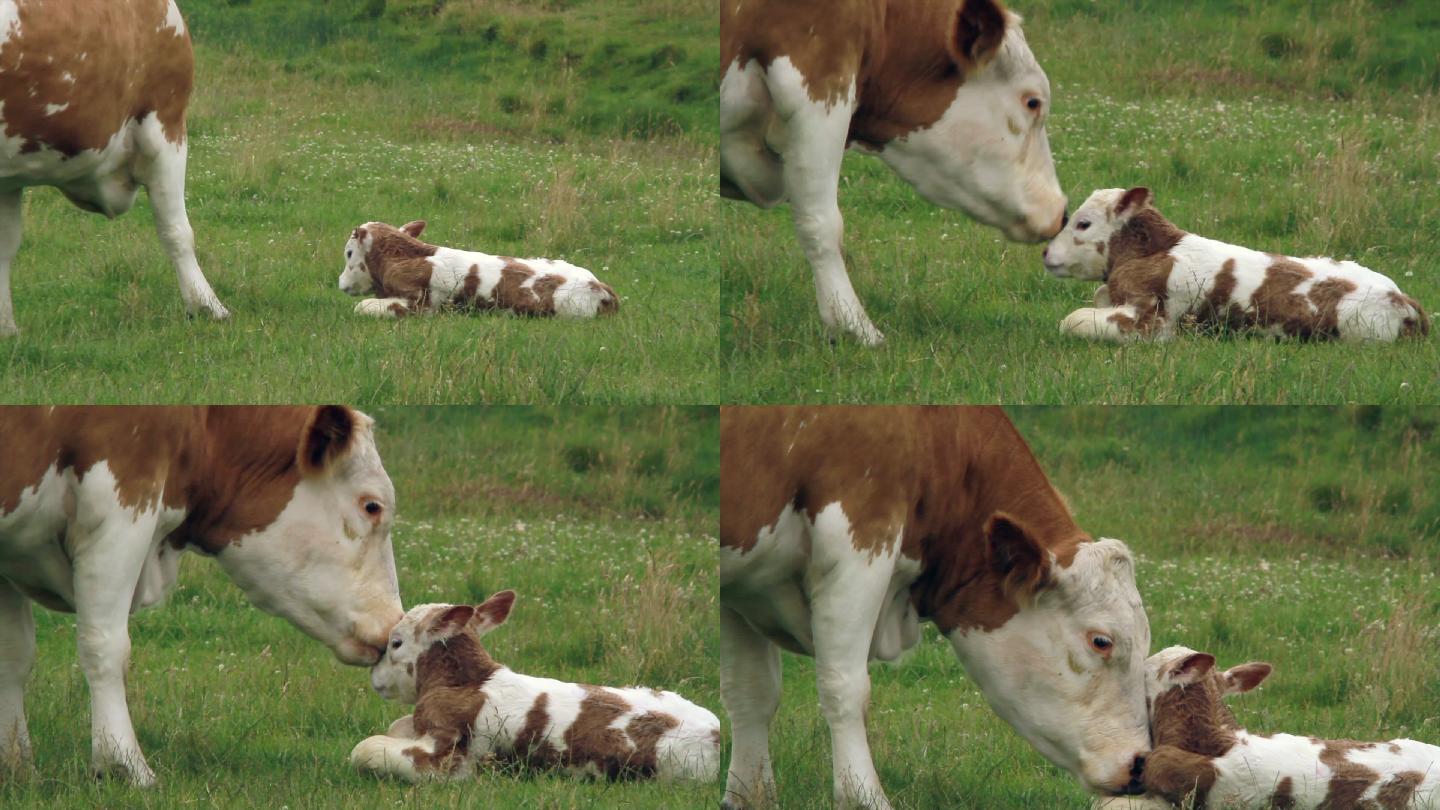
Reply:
x=825, y=42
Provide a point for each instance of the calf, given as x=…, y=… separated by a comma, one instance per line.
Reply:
x=469, y=708
x=409, y=276
x=1202, y=755
x=1157, y=276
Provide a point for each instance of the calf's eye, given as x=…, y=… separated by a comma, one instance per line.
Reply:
x=1082, y=225
x=395, y=645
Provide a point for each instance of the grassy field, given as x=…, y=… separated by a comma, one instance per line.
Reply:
x=573, y=130
x=1296, y=127
x=1309, y=538
x=601, y=519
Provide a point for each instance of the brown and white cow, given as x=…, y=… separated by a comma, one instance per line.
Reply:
x=97, y=504
x=92, y=101
x=842, y=528
x=946, y=92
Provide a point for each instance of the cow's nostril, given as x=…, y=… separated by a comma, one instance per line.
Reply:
x=1064, y=218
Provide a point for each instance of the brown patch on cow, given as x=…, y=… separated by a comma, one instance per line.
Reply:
x=1348, y=781
x=1396, y=792
x=906, y=60
x=645, y=732
x=122, y=64
x=398, y=264
x=1276, y=301
x=1326, y=295
x=1417, y=325
x=1284, y=796
x=609, y=302
x=930, y=477
x=1179, y=775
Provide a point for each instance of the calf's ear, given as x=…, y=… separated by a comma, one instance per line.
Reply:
x=1132, y=201
x=493, y=612
x=1245, y=677
x=1022, y=564
x=979, y=30
x=327, y=436
x=452, y=621
x=414, y=228
x=1191, y=668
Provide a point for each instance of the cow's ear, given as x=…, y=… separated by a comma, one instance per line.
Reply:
x=1245, y=677
x=414, y=228
x=1132, y=201
x=327, y=436
x=1191, y=668
x=979, y=30
x=1022, y=565
x=493, y=612
x=452, y=621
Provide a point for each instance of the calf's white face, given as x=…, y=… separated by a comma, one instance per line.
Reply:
x=355, y=278
x=1067, y=670
x=989, y=154
x=1078, y=251
x=394, y=677
x=326, y=562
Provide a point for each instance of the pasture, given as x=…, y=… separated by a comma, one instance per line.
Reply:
x=570, y=130
x=1295, y=127
x=601, y=519
x=1306, y=537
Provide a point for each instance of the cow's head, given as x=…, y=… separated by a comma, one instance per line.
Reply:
x=454, y=629
x=1063, y=657
x=356, y=278
x=324, y=562
x=1079, y=250
x=987, y=154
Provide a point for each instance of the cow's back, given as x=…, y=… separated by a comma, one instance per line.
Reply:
x=826, y=41
x=74, y=72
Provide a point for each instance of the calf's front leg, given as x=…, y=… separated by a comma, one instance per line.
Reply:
x=412, y=759
x=1123, y=323
x=385, y=308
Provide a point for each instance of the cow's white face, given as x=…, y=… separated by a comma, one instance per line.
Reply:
x=1068, y=670
x=326, y=563
x=355, y=278
x=394, y=676
x=988, y=154
x=1078, y=251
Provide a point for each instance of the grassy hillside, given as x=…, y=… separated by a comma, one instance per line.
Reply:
x=1308, y=538
x=601, y=519
x=1294, y=127
x=509, y=127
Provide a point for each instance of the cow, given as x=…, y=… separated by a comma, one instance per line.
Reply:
x=92, y=101
x=97, y=504
x=946, y=92
x=470, y=709
x=842, y=528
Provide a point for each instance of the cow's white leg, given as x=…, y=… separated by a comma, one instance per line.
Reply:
x=17, y=656
x=745, y=160
x=845, y=603
x=812, y=145
x=750, y=688
x=384, y=307
x=111, y=544
x=10, y=221
x=164, y=179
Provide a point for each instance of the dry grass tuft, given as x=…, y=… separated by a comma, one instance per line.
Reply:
x=1404, y=652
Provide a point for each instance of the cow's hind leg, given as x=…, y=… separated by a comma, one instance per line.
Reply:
x=750, y=688
x=163, y=174
x=10, y=222
x=17, y=656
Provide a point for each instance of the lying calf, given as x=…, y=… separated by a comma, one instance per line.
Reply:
x=1202, y=755
x=409, y=276
x=1157, y=275
x=470, y=708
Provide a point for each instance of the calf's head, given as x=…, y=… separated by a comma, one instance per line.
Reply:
x=325, y=561
x=442, y=642
x=1185, y=691
x=1060, y=653
x=365, y=251
x=1081, y=248
x=988, y=153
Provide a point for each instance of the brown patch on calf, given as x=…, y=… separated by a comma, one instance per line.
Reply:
x=1220, y=306
x=470, y=289
x=609, y=302
x=133, y=66
x=591, y=739
x=1143, y=283
x=1326, y=296
x=1276, y=302
x=512, y=293
x=1348, y=781
x=1194, y=717
x=448, y=679
x=1396, y=793
x=1179, y=775
x=645, y=732
x=1146, y=233
x=532, y=744
x=1284, y=796
x=399, y=264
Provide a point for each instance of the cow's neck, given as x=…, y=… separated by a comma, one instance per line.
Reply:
x=909, y=42
x=994, y=473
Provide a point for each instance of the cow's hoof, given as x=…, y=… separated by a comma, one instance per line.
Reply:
x=138, y=775
x=10, y=330
x=210, y=308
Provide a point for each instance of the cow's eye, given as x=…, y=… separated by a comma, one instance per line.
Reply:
x=372, y=507
x=1033, y=103
x=1082, y=225
x=1102, y=643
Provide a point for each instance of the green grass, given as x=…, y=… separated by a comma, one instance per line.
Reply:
x=1240, y=553
x=309, y=119
x=1254, y=123
x=615, y=569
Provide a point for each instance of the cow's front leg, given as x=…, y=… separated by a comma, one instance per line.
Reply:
x=164, y=179
x=813, y=150
x=17, y=656
x=750, y=689
x=384, y=307
x=845, y=603
x=110, y=544
x=10, y=222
